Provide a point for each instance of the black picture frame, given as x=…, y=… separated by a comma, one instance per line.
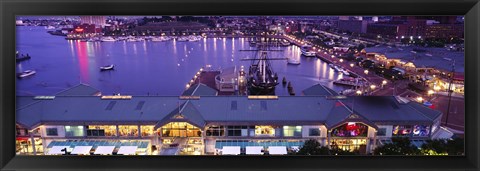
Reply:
x=10, y=8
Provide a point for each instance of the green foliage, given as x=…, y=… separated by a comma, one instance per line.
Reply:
x=456, y=146
x=313, y=147
x=399, y=146
x=434, y=147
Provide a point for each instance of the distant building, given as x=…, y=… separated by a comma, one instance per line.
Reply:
x=445, y=31
x=100, y=21
x=384, y=29
x=355, y=26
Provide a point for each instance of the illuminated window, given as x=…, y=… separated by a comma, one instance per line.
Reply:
x=215, y=131
x=180, y=129
x=264, y=131
x=350, y=129
x=402, y=130
x=74, y=131
x=290, y=131
x=421, y=131
x=128, y=130
x=102, y=130
x=147, y=130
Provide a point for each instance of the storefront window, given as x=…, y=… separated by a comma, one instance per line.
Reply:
x=402, y=130
x=314, y=132
x=22, y=131
x=52, y=131
x=24, y=146
x=147, y=130
x=350, y=129
x=236, y=131
x=421, y=131
x=180, y=129
x=381, y=131
x=349, y=144
x=74, y=131
x=290, y=131
x=102, y=130
x=215, y=131
x=264, y=131
x=128, y=130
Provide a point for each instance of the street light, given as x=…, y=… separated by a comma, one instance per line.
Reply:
x=366, y=71
x=351, y=65
x=420, y=99
x=359, y=92
x=373, y=86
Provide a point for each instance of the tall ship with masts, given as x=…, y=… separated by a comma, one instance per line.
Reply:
x=261, y=79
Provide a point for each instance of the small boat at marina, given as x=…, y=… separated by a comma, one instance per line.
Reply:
x=345, y=72
x=194, y=38
x=108, y=39
x=20, y=58
x=26, y=73
x=285, y=42
x=182, y=39
x=355, y=82
x=306, y=51
x=160, y=39
x=337, y=68
x=331, y=65
x=106, y=68
x=293, y=61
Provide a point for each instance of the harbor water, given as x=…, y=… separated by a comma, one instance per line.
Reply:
x=147, y=67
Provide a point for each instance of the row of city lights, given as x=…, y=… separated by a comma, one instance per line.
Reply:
x=192, y=81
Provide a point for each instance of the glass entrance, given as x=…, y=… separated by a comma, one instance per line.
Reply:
x=180, y=129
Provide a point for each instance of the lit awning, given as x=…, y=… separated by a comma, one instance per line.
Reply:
x=104, y=150
x=277, y=150
x=231, y=150
x=254, y=150
x=81, y=150
x=127, y=150
x=57, y=150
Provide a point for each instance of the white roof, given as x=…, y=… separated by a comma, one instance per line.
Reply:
x=254, y=150
x=81, y=150
x=442, y=133
x=127, y=150
x=57, y=150
x=231, y=150
x=277, y=150
x=104, y=150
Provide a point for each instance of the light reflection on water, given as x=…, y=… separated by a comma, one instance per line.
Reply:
x=158, y=68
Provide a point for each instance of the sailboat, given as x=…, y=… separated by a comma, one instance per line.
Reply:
x=261, y=79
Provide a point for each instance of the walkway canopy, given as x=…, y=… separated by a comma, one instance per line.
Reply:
x=231, y=150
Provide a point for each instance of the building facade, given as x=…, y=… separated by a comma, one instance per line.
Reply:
x=213, y=125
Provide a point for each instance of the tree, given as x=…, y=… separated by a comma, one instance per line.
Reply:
x=399, y=146
x=313, y=147
x=435, y=147
x=360, y=47
x=456, y=146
